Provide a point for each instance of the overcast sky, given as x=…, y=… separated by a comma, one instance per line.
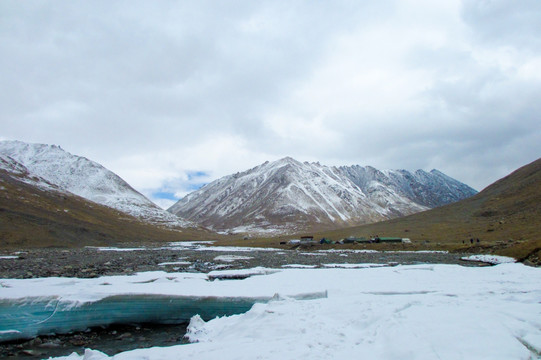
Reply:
x=173, y=94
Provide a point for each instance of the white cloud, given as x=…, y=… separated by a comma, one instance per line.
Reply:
x=156, y=90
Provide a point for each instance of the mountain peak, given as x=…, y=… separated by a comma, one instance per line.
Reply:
x=287, y=160
x=288, y=196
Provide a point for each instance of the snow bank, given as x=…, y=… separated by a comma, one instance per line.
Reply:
x=106, y=248
x=299, y=266
x=240, y=273
x=400, y=312
x=354, y=266
x=490, y=259
x=231, y=258
x=80, y=291
x=351, y=251
x=170, y=263
x=202, y=246
x=418, y=252
x=33, y=307
x=189, y=244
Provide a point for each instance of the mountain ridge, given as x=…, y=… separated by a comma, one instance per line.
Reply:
x=52, y=166
x=288, y=195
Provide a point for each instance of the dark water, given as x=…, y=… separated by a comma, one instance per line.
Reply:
x=111, y=340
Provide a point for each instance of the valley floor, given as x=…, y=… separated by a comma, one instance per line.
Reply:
x=196, y=256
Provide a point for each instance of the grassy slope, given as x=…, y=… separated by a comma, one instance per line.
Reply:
x=30, y=217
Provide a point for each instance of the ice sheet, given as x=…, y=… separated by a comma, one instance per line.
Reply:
x=400, y=312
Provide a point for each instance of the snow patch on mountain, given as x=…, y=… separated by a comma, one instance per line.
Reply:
x=50, y=167
x=18, y=170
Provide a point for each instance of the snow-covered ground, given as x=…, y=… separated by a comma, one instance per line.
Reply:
x=398, y=312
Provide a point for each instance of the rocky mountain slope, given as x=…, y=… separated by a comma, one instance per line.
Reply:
x=289, y=196
x=49, y=166
x=430, y=189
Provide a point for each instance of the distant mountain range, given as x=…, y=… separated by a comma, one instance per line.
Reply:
x=288, y=196
x=49, y=197
x=284, y=196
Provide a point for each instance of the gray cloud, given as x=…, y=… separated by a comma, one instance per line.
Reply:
x=505, y=22
x=155, y=90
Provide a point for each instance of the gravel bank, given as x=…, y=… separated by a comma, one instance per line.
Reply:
x=95, y=262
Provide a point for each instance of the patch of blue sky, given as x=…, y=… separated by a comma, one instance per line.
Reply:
x=164, y=195
x=176, y=188
x=196, y=174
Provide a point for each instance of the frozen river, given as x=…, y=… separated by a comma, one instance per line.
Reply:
x=425, y=311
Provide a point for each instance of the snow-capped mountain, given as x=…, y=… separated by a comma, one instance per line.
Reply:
x=287, y=195
x=50, y=167
x=431, y=189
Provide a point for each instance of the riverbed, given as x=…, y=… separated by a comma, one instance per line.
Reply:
x=91, y=262
x=187, y=257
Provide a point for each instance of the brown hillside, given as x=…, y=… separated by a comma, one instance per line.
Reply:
x=506, y=217
x=32, y=217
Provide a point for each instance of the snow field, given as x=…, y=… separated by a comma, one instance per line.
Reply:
x=401, y=312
